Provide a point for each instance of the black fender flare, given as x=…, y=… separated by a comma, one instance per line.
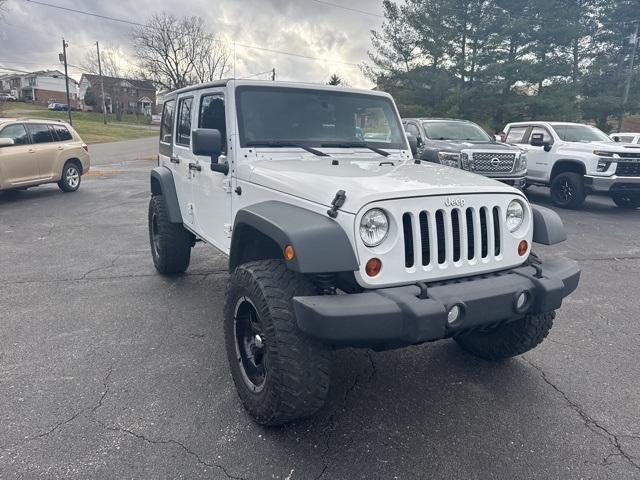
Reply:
x=320, y=244
x=548, y=228
x=162, y=184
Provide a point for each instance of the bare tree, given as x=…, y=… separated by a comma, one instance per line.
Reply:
x=175, y=53
x=111, y=62
x=3, y=8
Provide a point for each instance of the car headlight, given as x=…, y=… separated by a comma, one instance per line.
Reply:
x=601, y=153
x=449, y=159
x=374, y=227
x=603, y=165
x=522, y=162
x=515, y=215
x=466, y=162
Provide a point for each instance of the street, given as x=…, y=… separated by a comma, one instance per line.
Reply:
x=109, y=370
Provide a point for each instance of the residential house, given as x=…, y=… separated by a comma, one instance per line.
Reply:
x=42, y=87
x=125, y=95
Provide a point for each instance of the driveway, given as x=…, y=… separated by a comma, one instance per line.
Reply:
x=109, y=370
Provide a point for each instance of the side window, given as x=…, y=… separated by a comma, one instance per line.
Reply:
x=212, y=115
x=17, y=133
x=183, y=135
x=166, y=126
x=516, y=134
x=413, y=130
x=40, y=133
x=62, y=133
x=546, y=137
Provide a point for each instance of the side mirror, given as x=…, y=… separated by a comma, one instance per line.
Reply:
x=413, y=143
x=6, y=142
x=616, y=139
x=208, y=141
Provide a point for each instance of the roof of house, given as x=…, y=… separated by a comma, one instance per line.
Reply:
x=139, y=84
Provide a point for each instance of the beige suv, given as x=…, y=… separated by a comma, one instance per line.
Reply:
x=33, y=152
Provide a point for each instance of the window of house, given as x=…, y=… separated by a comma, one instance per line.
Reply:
x=516, y=134
x=62, y=133
x=166, y=126
x=17, y=133
x=183, y=135
x=212, y=116
x=40, y=133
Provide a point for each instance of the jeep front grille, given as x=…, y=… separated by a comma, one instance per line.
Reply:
x=487, y=162
x=457, y=236
x=628, y=169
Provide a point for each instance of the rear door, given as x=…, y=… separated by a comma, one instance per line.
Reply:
x=64, y=145
x=18, y=164
x=183, y=160
x=45, y=148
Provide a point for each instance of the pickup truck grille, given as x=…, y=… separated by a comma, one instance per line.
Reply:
x=487, y=162
x=458, y=236
x=628, y=169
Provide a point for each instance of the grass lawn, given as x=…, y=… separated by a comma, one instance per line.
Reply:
x=88, y=124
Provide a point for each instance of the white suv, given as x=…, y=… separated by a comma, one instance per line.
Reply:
x=575, y=160
x=337, y=237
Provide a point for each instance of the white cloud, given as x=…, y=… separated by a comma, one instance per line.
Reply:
x=33, y=33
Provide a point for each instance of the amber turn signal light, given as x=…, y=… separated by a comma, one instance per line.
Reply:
x=289, y=253
x=523, y=246
x=373, y=267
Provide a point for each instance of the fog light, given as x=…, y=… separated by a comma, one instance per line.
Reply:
x=454, y=314
x=522, y=300
x=523, y=246
x=373, y=267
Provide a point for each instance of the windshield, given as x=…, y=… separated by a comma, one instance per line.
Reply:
x=447, y=130
x=580, y=133
x=268, y=116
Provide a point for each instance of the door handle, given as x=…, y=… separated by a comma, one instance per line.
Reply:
x=195, y=166
x=60, y=147
x=173, y=159
x=31, y=150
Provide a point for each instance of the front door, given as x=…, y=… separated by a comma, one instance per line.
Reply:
x=18, y=162
x=212, y=190
x=538, y=159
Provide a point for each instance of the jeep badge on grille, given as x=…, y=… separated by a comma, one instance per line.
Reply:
x=454, y=202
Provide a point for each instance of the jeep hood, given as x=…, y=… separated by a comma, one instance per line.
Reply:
x=367, y=180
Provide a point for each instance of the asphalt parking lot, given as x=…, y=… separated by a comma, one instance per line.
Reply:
x=108, y=370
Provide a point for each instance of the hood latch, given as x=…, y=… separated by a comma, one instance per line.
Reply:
x=336, y=203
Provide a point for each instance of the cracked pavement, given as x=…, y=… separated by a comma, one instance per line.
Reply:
x=108, y=370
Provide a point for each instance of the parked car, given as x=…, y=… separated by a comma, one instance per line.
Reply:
x=575, y=160
x=63, y=107
x=633, y=138
x=463, y=144
x=337, y=238
x=33, y=152
x=7, y=97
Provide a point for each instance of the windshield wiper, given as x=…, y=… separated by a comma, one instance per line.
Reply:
x=287, y=144
x=355, y=145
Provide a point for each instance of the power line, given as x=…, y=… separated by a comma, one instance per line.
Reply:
x=244, y=45
x=348, y=8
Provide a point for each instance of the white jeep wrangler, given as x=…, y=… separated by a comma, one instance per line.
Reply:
x=336, y=237
x=575, y=160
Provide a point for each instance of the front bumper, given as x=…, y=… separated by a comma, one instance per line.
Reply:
x=518, y=182
x=397, y=316
x=612, y=184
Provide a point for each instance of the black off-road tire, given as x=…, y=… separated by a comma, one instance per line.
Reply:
x=508, y=340
x=295, y=378
x=626, y=200
x=567, y=190
x=71, y=177
x=170, y=242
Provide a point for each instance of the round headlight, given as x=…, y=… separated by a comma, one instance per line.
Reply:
x=374, y=227
x=515, y=215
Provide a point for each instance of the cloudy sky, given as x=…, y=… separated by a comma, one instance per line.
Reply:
x=31, y=34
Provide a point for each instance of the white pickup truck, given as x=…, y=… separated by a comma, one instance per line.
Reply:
x=575, y=160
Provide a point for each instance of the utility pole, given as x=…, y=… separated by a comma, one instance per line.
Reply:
x=273, y=74
x=104, y=107
x=66, y=77
x=625, y=98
